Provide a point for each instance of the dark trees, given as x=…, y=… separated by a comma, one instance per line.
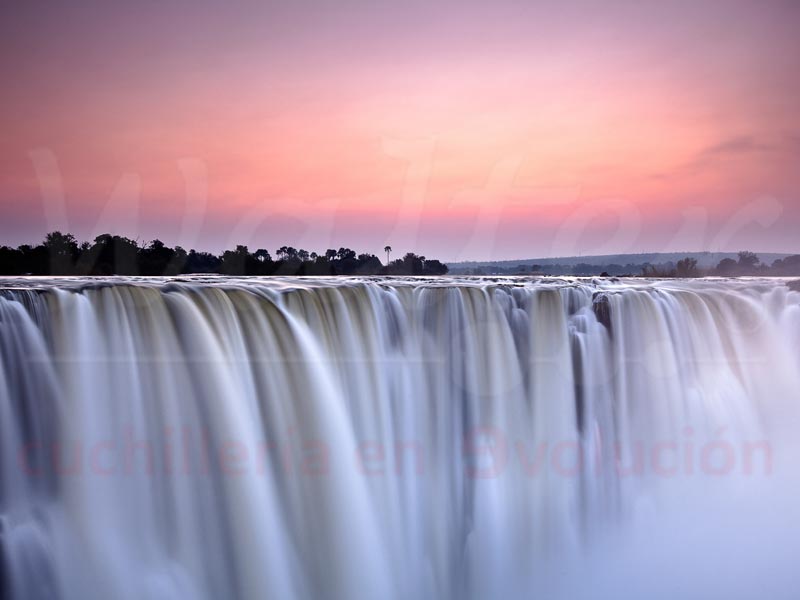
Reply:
x=687, y=267
x=61, y=254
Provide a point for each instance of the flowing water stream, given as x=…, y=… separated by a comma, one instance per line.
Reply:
x=398, y=438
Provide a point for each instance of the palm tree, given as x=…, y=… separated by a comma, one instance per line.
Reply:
x=388, y=250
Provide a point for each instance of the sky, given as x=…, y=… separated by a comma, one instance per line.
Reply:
x=456, y=129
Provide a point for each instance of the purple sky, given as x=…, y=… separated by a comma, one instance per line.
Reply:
x=461, y=130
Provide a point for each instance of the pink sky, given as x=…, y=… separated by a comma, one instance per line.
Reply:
x=460, y=130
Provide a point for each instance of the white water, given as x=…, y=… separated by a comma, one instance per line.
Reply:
x=221, y=438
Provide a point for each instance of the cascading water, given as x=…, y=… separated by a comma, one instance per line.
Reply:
x=222, y=438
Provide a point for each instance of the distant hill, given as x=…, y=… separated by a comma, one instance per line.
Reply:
x=613, y=263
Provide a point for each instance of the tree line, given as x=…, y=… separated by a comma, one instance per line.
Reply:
x=62, y=254
x=747, y=263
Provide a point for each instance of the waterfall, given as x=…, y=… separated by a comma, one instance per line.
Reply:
x=398, y=438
